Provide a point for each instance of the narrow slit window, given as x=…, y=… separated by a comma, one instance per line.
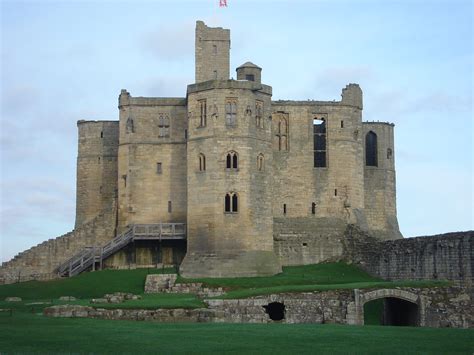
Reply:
x=202, y=162
x=260, y=161
x=169, y=207
x=313, y=208
x=159, y=168
x=101, y=134
x=284, y=208
x=259, y=114
x=282, y=134
x=203, y=113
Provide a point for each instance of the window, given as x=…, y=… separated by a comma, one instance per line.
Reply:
x=164, y=125
x=129, y=128
x=342, y=124
x=232, y=161
x=101, y=134
x=169, y=206
x=282, y=134
x=159, y=169
x=250, y=77
x=231, y=203
x=214, y=49
x=260, y=161
x=230, y=112
x=319, y=143
x=259, y=114
x=284, y=208
x=313, y=208
x=389, y=153
x=203, y=113
x=202, y=162
x=371, y=149
x=215, y=74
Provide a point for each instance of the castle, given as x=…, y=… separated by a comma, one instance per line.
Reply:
x=255, y=183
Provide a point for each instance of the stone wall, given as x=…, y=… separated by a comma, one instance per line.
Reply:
x=446, y=256
x=436, y=307
x=40, y=262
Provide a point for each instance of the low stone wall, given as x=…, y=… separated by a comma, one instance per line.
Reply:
x=446, y=256
x=436, y=307
x=166, y=283
x=40, y=262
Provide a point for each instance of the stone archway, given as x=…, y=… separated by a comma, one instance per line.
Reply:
x=401, y=307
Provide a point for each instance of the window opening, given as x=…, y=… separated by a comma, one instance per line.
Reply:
x=231, y=112
x=389, y=153
x=282, y=134
x=250, y=77
x=313, y=208
x=101, y=134
x=202, y=162
x=163, y=125
x=129, y=128
x=214, y=49
x=232, y=160
x=319, y=143
x=259, y=114
x=284, y=208
x=231, y=203
x=371, y=149
x=203, y=113
x=260, y=160
x=342, y=124
x=335, y=192
x=169, y=206
x=275, y=310
x=159, y=169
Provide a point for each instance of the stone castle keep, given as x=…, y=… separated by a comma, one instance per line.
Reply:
x=224, y=181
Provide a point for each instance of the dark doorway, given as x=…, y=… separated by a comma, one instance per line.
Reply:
x=391, y=311
x=275, y=310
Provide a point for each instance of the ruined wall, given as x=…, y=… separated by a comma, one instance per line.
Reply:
x=40, y=262
x=96, y=183
x=446, y=256
x=152, y=160
x=380, y=184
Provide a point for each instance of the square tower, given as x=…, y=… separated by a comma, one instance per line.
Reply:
x=212, y=53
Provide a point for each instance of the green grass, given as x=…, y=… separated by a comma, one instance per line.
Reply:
x=28, y=333
x=85, y=285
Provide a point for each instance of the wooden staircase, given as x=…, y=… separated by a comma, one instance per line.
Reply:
x=89, y=257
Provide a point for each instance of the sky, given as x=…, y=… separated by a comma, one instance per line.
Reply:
x=63, y=61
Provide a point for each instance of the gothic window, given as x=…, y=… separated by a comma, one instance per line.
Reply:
x=129, y=128
x=203, y=113
x=282, y=134
x=230, y=112
x=319, y=143
x=232, y=160
x=202, y=162
x=164, y=125
x=231, y=203
x=259, y=114
x=260, y=161
x=371, y=149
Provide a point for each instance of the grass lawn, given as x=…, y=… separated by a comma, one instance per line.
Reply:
x=27, y=333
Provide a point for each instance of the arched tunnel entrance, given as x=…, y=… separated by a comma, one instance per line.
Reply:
x=391, y=311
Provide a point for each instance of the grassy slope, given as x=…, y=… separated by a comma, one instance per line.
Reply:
x=33, y=333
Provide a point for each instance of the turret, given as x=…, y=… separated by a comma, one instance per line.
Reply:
x=249, y=71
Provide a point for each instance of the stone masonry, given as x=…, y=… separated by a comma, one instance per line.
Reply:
x=258, y=183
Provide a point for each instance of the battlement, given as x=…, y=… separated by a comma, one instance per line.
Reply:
x=352, y=96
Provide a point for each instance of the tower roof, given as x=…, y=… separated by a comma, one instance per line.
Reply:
x=249, y=65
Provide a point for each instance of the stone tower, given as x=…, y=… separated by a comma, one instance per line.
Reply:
x=229, y=154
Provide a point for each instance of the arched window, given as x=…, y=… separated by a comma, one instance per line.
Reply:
x=231, y=203
x=260, y=161
x=129, y=128
x=259, y=114
x=371, y=149
x=319, y=142
x=232, y=160
x=203, y=113
x=202, y=162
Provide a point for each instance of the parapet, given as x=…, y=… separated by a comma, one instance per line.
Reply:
x=352, y=96
x=125, y=99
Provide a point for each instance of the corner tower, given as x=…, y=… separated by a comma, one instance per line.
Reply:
x=230, y=163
